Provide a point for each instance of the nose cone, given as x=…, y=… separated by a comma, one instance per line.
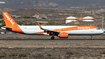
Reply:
x=104, y=30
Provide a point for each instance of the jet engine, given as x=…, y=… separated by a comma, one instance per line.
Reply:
x=63, y=35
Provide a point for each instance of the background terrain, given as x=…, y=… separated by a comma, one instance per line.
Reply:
x=20, y=4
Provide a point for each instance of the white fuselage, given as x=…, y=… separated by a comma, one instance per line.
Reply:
x=37, y=30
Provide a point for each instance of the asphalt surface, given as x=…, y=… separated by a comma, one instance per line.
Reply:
x=57, y=39
x=45, y=38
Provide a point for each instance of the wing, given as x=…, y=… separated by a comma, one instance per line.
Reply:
x=50, y=32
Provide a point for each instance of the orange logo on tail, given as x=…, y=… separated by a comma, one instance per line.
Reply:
x=10, y=23
x=9, y=18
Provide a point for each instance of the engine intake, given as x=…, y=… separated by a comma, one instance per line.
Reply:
x=63, y=35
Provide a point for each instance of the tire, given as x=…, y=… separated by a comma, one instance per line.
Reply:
x=52, y=38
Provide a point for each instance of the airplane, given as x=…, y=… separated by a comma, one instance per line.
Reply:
x=59, y=31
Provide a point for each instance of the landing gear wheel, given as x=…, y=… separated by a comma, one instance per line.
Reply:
x=91, y=37
x=52, y=38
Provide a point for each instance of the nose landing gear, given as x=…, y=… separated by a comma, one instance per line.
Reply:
x=91, y=37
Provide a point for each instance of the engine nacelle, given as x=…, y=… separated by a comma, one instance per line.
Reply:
x=63, y=35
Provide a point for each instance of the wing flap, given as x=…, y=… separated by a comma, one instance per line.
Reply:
x=50, y=32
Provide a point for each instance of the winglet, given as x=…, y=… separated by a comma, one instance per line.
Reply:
x=39, y=26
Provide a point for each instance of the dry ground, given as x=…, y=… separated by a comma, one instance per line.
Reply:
x=41, y=47
x=30, y=41
x=22, y=36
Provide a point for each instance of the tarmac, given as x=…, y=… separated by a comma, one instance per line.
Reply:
x=82, y=47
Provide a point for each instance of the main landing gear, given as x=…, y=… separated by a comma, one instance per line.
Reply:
x=52, y=37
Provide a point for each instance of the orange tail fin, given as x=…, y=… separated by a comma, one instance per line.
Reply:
x=9, y=22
